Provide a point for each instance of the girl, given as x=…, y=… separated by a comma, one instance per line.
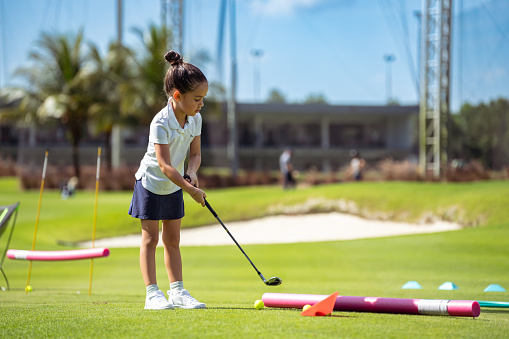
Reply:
x=174, y=131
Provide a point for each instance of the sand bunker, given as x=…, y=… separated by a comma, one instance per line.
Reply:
x=288, y=229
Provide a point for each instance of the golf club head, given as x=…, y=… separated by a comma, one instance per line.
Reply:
x=274, y=281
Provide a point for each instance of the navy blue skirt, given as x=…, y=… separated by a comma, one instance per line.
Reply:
x=151, y=206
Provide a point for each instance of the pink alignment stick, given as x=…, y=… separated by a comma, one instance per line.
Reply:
x=58, y=255
x=458, y=308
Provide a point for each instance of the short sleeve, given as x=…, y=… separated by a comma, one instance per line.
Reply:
x=159, y=131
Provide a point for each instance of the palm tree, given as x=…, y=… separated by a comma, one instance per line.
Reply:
x=147, y=95
x=20, y=108
x=54, y=86
x=110, y=80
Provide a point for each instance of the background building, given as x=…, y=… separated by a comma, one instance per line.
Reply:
x=321, y=135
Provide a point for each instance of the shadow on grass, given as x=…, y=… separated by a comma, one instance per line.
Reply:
x=232, y=308
x=272, y=309
x=492, y=310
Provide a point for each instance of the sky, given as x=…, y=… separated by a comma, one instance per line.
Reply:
x=333, y=48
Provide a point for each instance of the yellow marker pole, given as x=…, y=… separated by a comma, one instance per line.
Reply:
x=37, y=218
x=95, y=216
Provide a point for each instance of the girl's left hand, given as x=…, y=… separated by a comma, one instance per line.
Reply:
x=192, y=178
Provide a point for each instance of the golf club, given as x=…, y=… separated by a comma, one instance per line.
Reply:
x=274, y=281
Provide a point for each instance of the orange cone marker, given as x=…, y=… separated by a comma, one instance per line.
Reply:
x=323, y=307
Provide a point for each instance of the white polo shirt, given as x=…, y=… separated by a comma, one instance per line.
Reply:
x=165, y=129
x=284, y=159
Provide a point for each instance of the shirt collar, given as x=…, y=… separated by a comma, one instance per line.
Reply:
x=172, y=119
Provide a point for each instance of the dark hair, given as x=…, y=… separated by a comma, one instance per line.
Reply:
x=354, y=153
x=181, y=75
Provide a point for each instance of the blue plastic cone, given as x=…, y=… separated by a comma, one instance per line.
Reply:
x=494, y=288
x=449, y=286
x=412, y=285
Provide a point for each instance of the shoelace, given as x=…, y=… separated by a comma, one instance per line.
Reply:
x=188, y=296
x=159, y=298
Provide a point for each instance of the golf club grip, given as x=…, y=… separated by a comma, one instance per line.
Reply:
x=186, y=176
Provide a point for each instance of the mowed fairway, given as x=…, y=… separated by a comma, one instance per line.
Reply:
x=59, y=305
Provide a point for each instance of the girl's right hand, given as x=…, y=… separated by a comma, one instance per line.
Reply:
x=199, y=196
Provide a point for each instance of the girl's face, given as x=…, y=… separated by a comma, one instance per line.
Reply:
x=192, y=102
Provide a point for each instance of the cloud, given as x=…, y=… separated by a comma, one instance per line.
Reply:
x=282, y=7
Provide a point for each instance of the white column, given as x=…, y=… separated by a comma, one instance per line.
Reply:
x=116, y=145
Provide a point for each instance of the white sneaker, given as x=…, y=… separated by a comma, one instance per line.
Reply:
x=184, y=300
x=157, y=301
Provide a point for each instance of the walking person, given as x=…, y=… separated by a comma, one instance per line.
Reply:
x=356, y=165
x=159, y=186
x=286, y=168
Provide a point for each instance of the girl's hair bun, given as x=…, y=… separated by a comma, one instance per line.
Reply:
x=173, y=58
x=182, y=76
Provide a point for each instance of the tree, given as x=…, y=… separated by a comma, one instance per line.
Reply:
x=110, y=81
x=54, y=87
x=147, y=92
x=316, y=99
x=276, y=97
x=480, y=132
x=19, y=106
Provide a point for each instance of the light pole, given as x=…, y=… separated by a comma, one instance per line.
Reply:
x=256, y=54
x=418, y=16
x=389, y=58
x=233, y=140
x=116, y=132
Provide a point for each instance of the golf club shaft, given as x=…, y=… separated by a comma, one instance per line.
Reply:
x=231, y=236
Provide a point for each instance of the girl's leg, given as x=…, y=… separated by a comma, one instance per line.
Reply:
x=149, y=240
x=155, y=299
x=179, y=297
x=171, y=242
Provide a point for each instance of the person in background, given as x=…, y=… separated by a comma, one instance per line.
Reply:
x=286, y=168
x=69, y=188
x=356, y=165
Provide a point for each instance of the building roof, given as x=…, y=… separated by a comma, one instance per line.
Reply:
x=325, y=109
x=334, y=112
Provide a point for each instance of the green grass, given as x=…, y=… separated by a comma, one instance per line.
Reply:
x=472, y=258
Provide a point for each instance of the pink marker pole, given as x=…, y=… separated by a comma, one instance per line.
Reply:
x=458, y=308
x=58, y=255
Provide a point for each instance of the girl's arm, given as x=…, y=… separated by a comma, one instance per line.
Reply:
x=194, y=160
x=163, y=159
